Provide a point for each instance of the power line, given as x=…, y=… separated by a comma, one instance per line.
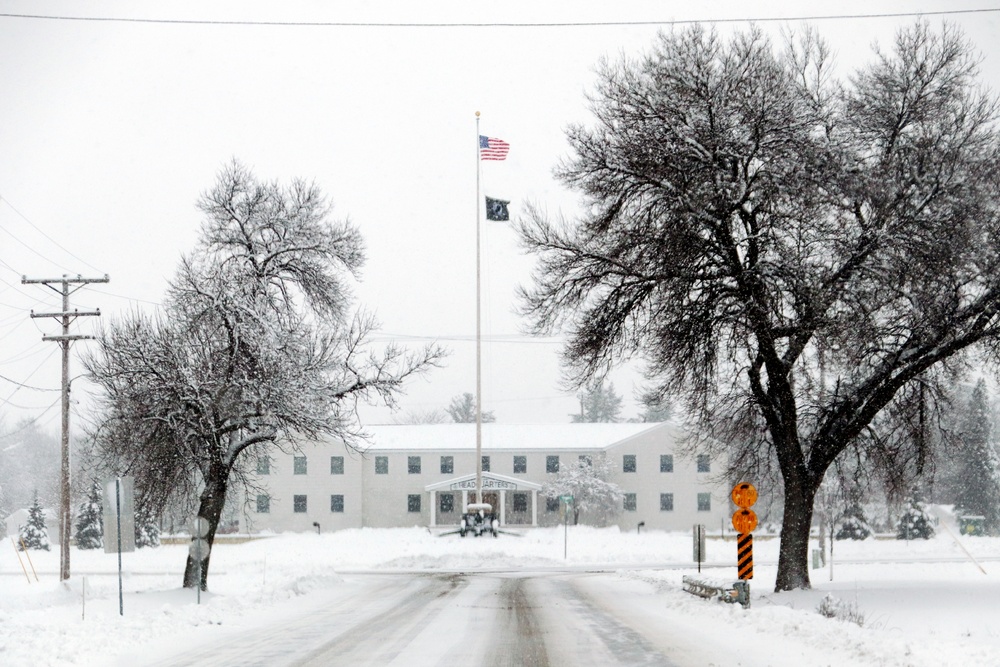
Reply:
x=555, y=24
x=52, y=240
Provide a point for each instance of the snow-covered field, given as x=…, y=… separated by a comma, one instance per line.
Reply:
x=918, y=602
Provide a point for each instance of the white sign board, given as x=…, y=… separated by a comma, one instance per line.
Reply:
x=118, y=494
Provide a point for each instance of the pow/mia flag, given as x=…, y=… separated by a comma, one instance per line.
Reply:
x=496, y=209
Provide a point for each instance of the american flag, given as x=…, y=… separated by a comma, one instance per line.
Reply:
x=491, y=148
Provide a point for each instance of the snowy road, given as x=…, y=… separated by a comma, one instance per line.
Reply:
x=497, y=619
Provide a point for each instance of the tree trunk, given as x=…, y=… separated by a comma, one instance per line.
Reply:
x=213, y=498
x=793, y=556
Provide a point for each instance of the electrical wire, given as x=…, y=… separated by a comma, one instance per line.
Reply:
x=52, y=240
x=554, y=24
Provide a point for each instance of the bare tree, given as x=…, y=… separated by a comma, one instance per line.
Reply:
x=255, y=349
x=794, y=257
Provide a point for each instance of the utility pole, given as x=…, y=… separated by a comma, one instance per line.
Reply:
x=66, y=316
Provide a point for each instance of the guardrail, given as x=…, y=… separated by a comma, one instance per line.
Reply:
x=737, y=591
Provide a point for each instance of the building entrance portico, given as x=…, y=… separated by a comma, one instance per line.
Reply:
x=497, y=490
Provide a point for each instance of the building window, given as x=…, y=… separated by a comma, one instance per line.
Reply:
x=263, y=504
x=666, y=462
x=520, y=464
x=629, y=502
x=299, y=504
x=666, y=502
x=551, y=464
x=628, y=463
x=446, y=504
x=413, y=502
x=587, y=460
x=336, y=465
x=264, y=465
x=299, y=465
x=486, y=464
x=413, y=465
x=551, y=504
x=520, y=502
x=704, y=502
x=337, y=503
x=381, y=465
x=704, y=465
x=447, y=465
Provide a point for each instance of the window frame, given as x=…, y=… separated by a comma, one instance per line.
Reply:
x=629, y=463
x=263, y=465
x=446, y=499
x=381, y=465
x=484, y=461
x=300, y=504
x=338, y=467
x=448, y=465
x=704, y=463
x=630, y=499
x=413, y=465
x=413, y=503
x=300, y=465
x=334, y=504
x=669, y=497
x=263, y=503
x=519, y=498
x=552, y=463
x=523, y=461
x=666, y=463
x=704, y=502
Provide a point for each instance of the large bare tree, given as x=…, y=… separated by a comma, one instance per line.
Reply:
x=795, y=257
x=256, y=348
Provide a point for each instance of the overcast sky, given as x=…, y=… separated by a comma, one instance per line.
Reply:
x=109, y=131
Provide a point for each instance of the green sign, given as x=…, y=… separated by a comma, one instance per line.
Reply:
x=566, y=499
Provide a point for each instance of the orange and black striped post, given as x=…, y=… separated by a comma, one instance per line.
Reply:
x=744, y=521
x=744, y=556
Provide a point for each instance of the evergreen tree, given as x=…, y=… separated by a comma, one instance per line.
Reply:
x=853, y=525
x=915, y=522
x=34, y=534
x=462, y=410
x=147, y=532
x=599, y=404
x=978, y=483
x=89, y=524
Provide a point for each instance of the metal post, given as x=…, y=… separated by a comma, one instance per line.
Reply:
x=118, y=514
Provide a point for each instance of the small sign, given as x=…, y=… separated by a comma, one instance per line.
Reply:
x=199, y=527
x=744, y=495
x=198, y=549
x=744, y=521
x=566, y=499
x=119, y=507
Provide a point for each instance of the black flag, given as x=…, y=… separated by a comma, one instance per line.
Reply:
x=496, y=209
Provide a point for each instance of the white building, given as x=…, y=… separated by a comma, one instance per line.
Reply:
x=423, y=475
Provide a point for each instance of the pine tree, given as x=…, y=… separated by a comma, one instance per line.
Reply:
x=147, y=532
x=915, y=522
x=34, y=534
x=853, y=525
x=978, y=481
x=599, y=404
x=89, y=525
x=462, y=410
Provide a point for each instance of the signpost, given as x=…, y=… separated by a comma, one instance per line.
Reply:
x=699, y=544
x=744, y=521
x=566, y=501
x=199, y=547
x=119, y=525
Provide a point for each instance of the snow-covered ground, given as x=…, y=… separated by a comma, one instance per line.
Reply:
x=921, y=602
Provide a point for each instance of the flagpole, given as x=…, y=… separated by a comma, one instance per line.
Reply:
x=479, y=364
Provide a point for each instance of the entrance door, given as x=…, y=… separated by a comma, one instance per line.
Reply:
x=493, y=498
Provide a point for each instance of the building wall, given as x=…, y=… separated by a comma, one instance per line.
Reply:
x=684, y=483
x=381, y=500
x=317, y=485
